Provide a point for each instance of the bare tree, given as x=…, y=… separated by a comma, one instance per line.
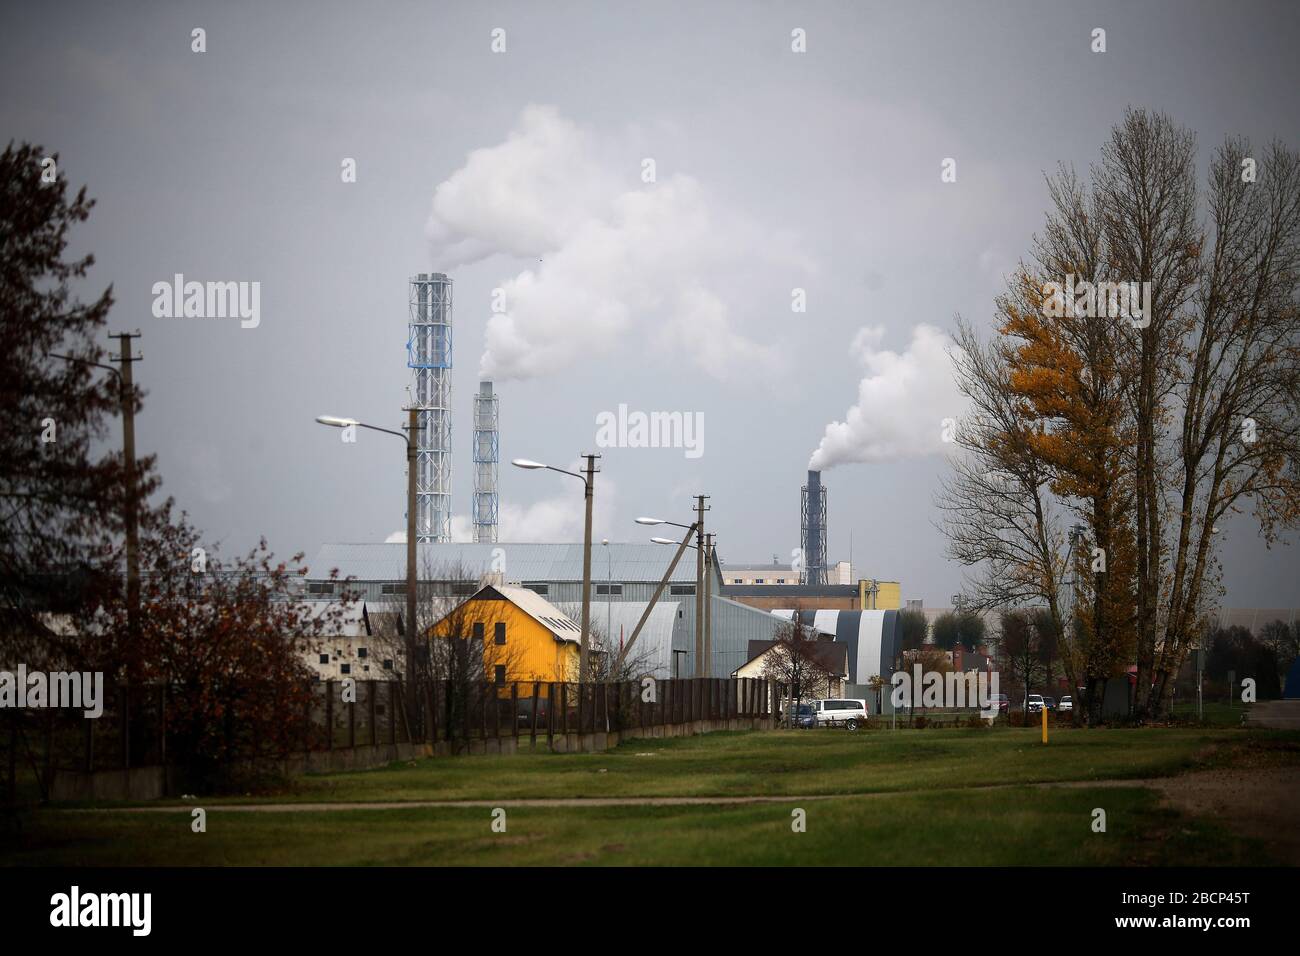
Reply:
x=795, y=663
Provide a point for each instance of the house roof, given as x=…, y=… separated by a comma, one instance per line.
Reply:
x=560, y=625
x=621, y=561
x=830, y=656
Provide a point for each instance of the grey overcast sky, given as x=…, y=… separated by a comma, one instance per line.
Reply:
x=774, y=170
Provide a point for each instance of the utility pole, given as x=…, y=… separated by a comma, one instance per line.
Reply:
x=589, y=481
x=130, y=507
x=708, y=605
x=701, y=666
x=412, y=578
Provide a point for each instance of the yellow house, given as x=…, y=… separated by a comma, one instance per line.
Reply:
x=524, y=636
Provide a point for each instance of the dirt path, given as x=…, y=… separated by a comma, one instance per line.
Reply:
x=1260, y=803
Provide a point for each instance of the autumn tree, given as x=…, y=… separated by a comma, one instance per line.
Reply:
x=227, y=640
x=1155, y=415
x=998, y=512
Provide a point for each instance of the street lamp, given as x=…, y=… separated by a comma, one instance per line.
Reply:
x=703, y=666
x=412, y=427
x=588, y=479
x=709, y=545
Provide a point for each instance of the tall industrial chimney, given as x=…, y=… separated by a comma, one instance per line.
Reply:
x=813, y=524
x=428, y=354
x=487, y=457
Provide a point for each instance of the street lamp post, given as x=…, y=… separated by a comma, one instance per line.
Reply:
x=409, y=627
x=697, y=528
x=588, y=478
x=709, y=544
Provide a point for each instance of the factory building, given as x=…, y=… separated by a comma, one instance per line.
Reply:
x=624, y=579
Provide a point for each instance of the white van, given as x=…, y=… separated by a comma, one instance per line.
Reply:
x=840, y=712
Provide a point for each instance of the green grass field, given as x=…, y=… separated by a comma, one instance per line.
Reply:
x=924, y=797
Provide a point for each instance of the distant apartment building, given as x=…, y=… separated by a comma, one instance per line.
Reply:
x=778, y=573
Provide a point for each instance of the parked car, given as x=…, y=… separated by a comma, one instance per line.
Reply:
x=1050, y=702
x=849, y=713
x=1067, y=705
x=803, y=716
x=1002, y=702
x=1034, y=704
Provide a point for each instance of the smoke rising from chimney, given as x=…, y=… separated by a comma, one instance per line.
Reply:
x=903, y=401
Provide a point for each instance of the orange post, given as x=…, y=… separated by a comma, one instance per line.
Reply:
x=1044, y=712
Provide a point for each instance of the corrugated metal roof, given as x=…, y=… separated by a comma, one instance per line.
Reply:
x=625, y=562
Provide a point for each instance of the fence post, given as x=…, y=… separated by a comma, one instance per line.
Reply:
x=48, y=772
x=431, y=698
x=162, y=728
x=450, y=708
x=532, y=735
x=550, y=715
x=482, y=709
x=90, y=744
x=125, y=694
x=582, y=694
x=329, y=714
x=496, y=712
x=306, y=717
x=514, y=710
x=352, y=720
x=12, y=783
x=370, y=705
x=392, y=713
x=564, y=708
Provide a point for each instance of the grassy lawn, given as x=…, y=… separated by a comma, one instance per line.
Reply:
x=902, y=798
x=779, y=763
x=1042, y=827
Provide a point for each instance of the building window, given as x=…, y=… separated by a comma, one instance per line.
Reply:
x=361, y=652
x=780, y=580
x=478, y=630
x=537, y=587
x=345, y=668
x=609, y=589
x=737, y=580
x=499, y=672
x=499, y=632
x=392, y=589
x=683, y=589
x=388, y=665
x=320, y=587
x=759, y=581
x=324, y=658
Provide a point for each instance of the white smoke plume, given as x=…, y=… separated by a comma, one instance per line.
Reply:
x=614, y=260
x=903, y=401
